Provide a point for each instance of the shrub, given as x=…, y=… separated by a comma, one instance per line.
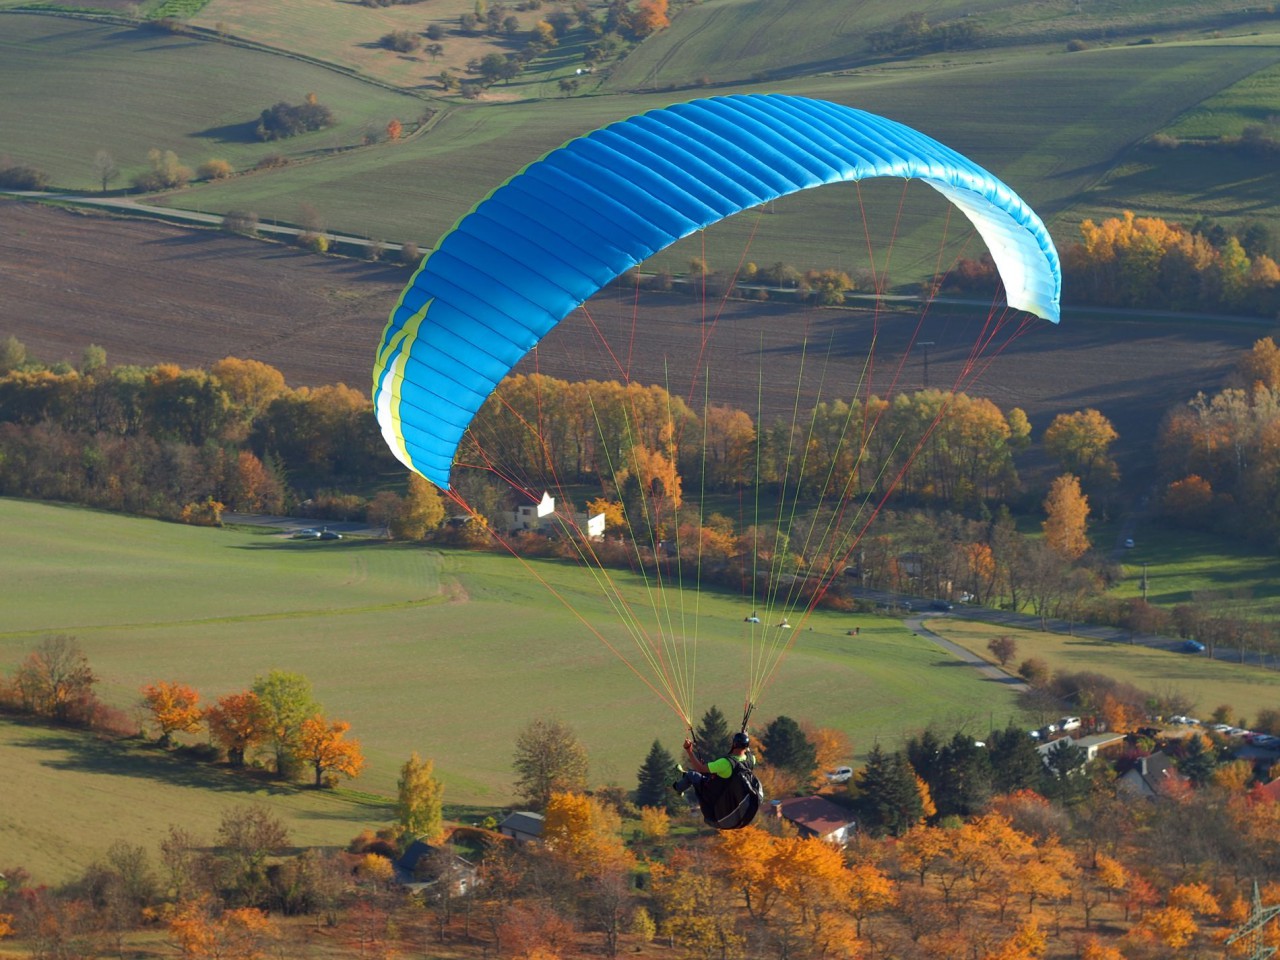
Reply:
x=288, y=120
x=214, y=170
x=1075, y=46
x=410, y=254
x=241, y=221
x=167, y=172
x=401, y=41
x=313, y=241
x=21, y=177
x=271, y=161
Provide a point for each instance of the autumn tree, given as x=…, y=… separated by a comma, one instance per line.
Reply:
x=287, y=701
x=420, y=799
x=586, y=832
x=55, y=678
x=166, y=172
x=250, y=384
x=695, y=910
x=238, y=722
x=1067, y=516
x=247, y=838
x=420, y=512
x=199, y=930
x=1081, y=443
x=1004, y=648
x=324, y=745
x=549, y=758
x=650, y=16
x=174, y=708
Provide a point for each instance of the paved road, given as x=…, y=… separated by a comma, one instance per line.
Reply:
x=172, y=214
x=991, y=671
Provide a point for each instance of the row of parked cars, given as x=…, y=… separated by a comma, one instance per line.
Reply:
x=1251, y=737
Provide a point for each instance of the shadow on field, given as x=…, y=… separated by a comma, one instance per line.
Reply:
x=243, y=132
x=131, y=759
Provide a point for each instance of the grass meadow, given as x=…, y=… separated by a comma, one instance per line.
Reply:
x=1206, y=682
x=1184, y=566
x=72, y=88
x=446, y=653
x=1053, y=148
x=69, y=797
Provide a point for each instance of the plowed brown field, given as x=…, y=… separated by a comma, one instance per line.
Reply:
x=149, y=292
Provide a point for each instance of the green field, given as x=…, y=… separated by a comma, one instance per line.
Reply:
x=1061, y=128
x=1184, y=566
x=1054, y=149
x=446, y=653
x=70, y=796
x=1207, y=683
x=127, y=90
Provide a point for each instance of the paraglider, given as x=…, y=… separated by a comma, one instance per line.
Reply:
x=560, y=230
x=729, y=794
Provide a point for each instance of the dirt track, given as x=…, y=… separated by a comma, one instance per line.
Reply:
x=149, y=292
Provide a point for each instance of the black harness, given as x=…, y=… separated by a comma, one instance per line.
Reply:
x=729, y=803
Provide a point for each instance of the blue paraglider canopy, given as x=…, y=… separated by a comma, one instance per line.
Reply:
x=554, y=234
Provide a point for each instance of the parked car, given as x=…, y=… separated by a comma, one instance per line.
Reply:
x=1193, y=646
x=1069, y=723
x=840, y=775
x=1185, y=721
x=941, y=605
x=330, y=535
x=308, y=534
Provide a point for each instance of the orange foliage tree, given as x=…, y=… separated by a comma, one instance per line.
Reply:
x=238, y=722
x=175, y=708
x=240, y=934
x=324, y=745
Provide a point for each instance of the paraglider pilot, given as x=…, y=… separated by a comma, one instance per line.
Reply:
x=727, y=791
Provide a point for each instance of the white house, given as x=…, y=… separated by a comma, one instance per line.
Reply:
x=543, y=516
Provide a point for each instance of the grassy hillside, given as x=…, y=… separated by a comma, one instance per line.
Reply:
x=448, y=654
x=127, y=90
x=1053, y=148
x=764, y=40
x=80, y=795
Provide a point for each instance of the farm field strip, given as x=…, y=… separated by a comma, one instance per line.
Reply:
x=1207, y=682
x=1047, y=145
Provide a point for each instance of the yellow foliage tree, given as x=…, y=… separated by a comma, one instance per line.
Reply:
x=420, y=799
x=1195, y=897
x=1067, y=519
x=1174, y=927
x=655, y=823
x=586, y=833
x=239, y=934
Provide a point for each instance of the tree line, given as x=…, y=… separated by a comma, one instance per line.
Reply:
x=1151, y=263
